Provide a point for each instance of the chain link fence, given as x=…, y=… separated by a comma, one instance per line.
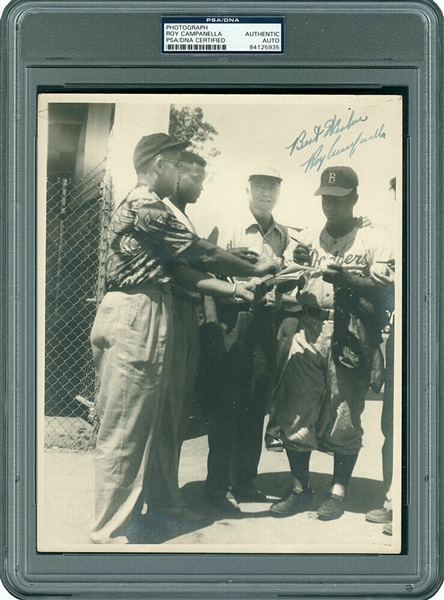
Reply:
x=77, y=219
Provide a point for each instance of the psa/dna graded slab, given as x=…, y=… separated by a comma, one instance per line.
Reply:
x=224, y=267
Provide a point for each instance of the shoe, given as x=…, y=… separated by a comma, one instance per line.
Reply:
x=249, y=494
x=224, y=501
x=387, y=529
x=331, y=509
x=379, y=515
x=183, y=513
x=272, y=444
x=291, y=503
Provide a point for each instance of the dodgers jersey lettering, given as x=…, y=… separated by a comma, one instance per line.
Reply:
x=356, y=252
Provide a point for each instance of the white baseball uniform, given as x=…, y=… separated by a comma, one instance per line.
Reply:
x=317, y=403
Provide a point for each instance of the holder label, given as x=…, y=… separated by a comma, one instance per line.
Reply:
x=223, y=34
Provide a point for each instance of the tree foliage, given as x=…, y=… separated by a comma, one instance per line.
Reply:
x=188, y=124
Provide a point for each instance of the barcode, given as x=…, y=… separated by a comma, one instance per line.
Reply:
x=194, y=47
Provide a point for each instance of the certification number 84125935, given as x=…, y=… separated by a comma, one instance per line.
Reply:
x=264, y=47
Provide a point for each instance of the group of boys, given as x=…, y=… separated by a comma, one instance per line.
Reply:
x=145, y=341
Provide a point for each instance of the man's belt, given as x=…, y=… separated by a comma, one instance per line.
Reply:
x=319, y=313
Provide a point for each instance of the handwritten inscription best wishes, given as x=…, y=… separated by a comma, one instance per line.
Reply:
x=330, y=139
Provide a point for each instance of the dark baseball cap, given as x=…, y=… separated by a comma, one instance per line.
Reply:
x=337, y=181
x=152, y=145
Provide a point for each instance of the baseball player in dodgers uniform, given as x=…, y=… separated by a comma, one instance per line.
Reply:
x=318, y=401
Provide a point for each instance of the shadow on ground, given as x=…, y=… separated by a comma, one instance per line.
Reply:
x=156, y=528
x=363, y=494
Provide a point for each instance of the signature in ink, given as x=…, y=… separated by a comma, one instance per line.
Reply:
x=331, y=127
x=318, y=157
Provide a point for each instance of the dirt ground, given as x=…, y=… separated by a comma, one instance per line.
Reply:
x=67, y=498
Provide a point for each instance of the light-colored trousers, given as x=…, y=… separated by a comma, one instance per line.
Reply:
x=162, y=486
x=132, y=340
x=317, y=404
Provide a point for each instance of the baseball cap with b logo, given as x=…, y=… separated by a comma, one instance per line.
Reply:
x=337, y=181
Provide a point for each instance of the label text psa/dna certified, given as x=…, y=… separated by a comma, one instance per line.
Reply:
x=223, y=34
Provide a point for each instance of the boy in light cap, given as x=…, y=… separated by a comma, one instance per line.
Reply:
x=320, y=396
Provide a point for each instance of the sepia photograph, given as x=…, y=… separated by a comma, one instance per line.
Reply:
x=218, y=365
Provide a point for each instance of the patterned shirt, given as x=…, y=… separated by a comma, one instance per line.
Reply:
x=356, y=252
x=177, y=289
x=144, y=238
x=244, y=231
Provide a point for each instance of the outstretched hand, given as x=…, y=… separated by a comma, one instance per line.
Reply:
x=246, y=291
x=245, y=254
x=301, y=254
x=267, y=266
